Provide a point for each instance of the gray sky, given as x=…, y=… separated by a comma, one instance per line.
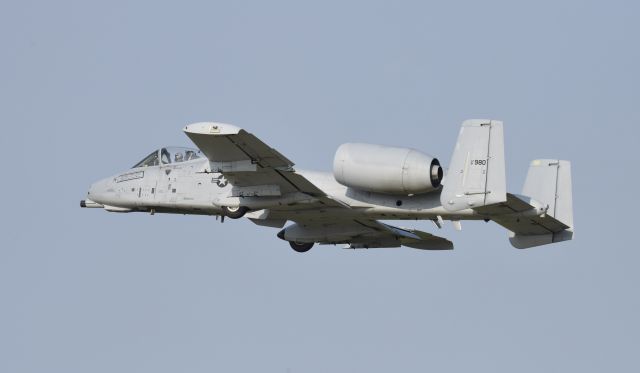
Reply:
x=88, y=89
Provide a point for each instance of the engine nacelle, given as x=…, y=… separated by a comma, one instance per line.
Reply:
x=385, y=169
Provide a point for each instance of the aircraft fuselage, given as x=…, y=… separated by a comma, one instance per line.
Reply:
x=184, y=189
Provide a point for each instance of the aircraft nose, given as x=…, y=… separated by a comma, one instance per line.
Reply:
x=98, y=190
x=93, y=190
x=93, y=196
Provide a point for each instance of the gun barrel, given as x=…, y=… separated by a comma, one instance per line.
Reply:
x=87, y=203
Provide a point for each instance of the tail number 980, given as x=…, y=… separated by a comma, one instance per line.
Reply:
x=478, y=162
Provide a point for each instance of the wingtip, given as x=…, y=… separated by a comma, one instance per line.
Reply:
x=212, y=128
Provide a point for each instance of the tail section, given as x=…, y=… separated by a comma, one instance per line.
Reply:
x=549, y=183
x=476, y=175
x=476, y=180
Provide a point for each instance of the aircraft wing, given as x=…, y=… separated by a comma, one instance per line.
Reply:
x=232, y=146
x=414, y=238
x=254, y=168
x=362, y=233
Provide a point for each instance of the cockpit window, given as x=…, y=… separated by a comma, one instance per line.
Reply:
x=177, y=155
x=191, y=154
x=168, y=156
x=148, y=161
x=165, y=156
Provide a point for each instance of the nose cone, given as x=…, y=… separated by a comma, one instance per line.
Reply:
x=100, y=191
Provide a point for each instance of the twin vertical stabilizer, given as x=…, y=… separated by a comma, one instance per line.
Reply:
x=548, y=182
x=476, y=180
x=476, y=174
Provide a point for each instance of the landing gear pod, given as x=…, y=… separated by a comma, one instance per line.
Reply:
x=234, y=212
x=301, y=247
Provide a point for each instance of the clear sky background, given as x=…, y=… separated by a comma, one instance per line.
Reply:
x=88, y=89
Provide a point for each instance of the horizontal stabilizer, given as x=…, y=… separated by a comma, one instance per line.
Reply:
x=544, y=214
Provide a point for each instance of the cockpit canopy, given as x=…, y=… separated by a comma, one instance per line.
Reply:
x=168, y=156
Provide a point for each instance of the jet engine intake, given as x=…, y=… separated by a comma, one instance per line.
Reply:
x=385, y=169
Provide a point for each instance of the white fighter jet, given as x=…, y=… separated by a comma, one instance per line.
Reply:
x=234, y=174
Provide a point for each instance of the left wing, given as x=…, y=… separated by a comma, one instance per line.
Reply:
x=254, y=168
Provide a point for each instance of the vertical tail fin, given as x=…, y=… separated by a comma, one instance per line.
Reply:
x=549, y=182
x=476, y=175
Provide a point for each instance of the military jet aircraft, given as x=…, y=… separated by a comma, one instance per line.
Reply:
x=234, y=174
